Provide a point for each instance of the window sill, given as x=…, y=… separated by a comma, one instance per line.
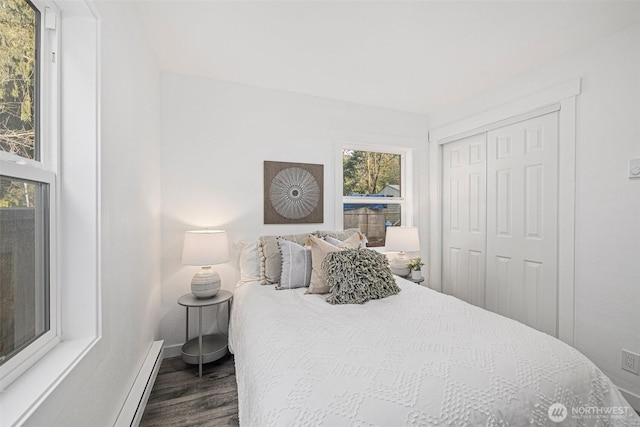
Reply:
x=27, y=393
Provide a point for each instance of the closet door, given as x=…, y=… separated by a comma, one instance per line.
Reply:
x=463, y=219
x=522, y=226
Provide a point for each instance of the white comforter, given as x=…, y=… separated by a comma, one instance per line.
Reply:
x=414, y=359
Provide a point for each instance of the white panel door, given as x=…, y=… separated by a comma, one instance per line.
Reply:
x=463, y=219
x=522, y=226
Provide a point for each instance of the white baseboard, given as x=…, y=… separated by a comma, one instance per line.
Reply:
x=133, y=408
x=174, y=350
x=633, y=399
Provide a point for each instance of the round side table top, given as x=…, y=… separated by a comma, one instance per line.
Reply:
x=190, y=300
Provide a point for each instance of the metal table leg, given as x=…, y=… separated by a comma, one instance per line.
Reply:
x=200, y=341
x=186, y=338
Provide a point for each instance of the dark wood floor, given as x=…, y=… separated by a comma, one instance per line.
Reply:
x=180, y=398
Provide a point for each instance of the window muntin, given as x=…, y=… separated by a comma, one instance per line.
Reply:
x=373, y=192
x=19, y=69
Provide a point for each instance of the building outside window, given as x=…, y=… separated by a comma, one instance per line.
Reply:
x=373, y=189
x=28, y=313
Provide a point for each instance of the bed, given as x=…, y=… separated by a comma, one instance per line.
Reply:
x=413, y=359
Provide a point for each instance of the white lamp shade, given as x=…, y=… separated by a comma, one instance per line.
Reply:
x=402, y=239
x=205, y=247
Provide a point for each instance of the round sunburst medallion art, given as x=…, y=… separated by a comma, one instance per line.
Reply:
x=294, y=193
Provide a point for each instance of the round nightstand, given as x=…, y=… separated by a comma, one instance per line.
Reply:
x=207, y=348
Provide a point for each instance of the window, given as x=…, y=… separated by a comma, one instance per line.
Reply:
x=373, y=190
x=28, y=314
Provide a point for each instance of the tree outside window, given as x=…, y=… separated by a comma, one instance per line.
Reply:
x=18, y=40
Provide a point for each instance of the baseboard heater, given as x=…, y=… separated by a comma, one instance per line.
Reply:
x=133, y=408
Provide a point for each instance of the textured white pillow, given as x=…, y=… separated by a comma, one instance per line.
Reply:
x=249, y=262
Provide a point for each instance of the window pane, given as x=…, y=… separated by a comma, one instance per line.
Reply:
x=367, y=172
x=24, y=281
x=19, y=26
x=372, y=220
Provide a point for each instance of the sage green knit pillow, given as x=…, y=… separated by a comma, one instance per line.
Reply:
x=356, y=276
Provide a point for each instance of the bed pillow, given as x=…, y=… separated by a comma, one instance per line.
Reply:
x=249, y=262
x=270, y=260
x=343, y=235
x=296, y=265
x=357, y=276
x=319, y=250
x=329, y=239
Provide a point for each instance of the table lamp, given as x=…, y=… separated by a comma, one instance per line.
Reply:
x=205, y=248
x=401, y=239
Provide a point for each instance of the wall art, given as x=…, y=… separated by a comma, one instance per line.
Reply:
x=293, y=193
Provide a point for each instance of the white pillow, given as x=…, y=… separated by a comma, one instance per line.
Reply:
x=249, y=262
x=334, y=242
x=319, y=250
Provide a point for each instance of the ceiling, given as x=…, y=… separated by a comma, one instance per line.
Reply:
x=415, y=56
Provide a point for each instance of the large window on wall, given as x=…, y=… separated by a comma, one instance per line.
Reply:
x=28, y=314
x=373, y=190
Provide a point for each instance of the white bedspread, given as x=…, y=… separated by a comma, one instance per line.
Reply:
x=414, y=359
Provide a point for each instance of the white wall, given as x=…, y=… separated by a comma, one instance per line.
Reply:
x=97, y=387
x=130, y=209
x=215, y=137
x=607, y=270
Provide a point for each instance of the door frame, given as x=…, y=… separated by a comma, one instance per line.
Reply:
x=561, y=98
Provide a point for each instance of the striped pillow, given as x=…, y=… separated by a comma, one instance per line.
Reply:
x=270, y=261
x=296, y=265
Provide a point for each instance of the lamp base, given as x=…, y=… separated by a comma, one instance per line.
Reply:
x=205, y=283
x=398, y=265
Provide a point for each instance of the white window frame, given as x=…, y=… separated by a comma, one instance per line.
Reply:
x=44, y=170
x=406, y=182
x=70, y=363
